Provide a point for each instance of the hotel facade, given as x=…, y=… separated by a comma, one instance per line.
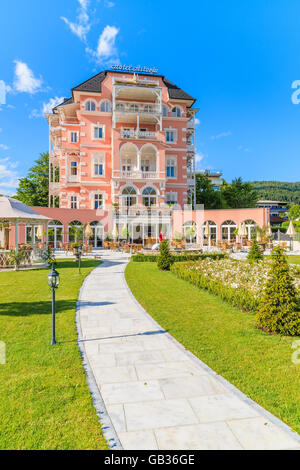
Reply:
x=122, y=159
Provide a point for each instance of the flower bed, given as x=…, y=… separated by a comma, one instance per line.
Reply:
x=237, y=282
x=178, y=257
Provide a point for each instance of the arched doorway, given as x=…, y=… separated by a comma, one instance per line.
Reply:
x=98, y=237
x=190, y=232
x=76, y=231
x=250, y=227
x=56, y=234
x=212, y=237
x=227, y=230
x=129, y=196
x=149, y=197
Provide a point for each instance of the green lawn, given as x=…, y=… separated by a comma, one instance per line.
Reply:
x=45, y=402
x=223, y=337
x=295, y=259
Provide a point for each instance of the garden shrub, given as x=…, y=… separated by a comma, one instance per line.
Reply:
x=164, y=260
x=254, y=254
x=279, y=310
x=141, y=258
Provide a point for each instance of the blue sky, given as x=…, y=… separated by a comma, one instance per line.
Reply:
x=239, y=59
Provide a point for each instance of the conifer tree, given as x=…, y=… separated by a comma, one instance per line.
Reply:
x=164, y=259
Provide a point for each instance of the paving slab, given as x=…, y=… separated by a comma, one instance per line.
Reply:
x=151, y=393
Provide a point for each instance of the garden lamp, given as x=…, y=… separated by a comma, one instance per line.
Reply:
x=53, y=283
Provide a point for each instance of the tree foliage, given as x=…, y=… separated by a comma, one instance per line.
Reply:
x=278, y=310
x=254, y=254
x=33, y=189
x=278, y=191
x=294, y=212
x=206, y=194
x=164, y=260
x=238, y=194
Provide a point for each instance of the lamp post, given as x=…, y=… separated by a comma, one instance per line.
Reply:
x=53, y=282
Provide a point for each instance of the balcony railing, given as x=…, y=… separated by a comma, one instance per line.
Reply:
x=135, y=174
x=145, y=108
x=138, y=134
x=73, y=179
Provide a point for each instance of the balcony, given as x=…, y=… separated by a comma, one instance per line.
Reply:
x=73, y=179
x=130, y=107
x=138, y=134
x=140, y=175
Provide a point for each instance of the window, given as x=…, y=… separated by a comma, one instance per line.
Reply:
x=176, y=112
x=98, y=132
x=90, y=106
x=105, y=107
x=227, y=230
x=76, y=231
x=126, y=164
x=129, y=196
x=74, y=137
x=74, y=168
x=120, y=107
x=148, y=108
x=134, y=108
x=165, y=110
x=145, y=165
x=171, y=168
x=73, y=202
x=149, y=197
x=98, y=201
x=171, y=198
x=170, y=136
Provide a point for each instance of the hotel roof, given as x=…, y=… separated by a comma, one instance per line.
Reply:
x=94, y=84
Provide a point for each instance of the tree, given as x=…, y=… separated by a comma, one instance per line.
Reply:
x=278, y=310
x=294, y=212
x=239, y=194
x=254, y=254
x=164, y=259
x=33, y=190
x=206, y=194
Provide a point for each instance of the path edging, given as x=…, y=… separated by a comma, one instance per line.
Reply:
x=107, y=426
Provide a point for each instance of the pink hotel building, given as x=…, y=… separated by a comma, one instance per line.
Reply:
x=126, y=140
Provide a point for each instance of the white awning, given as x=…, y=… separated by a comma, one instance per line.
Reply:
x=12, y=210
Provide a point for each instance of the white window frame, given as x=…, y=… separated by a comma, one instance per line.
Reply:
x=98, y=126
x=172, y=159
x=164, y=106
x=73, y=199
x=102, y=200
x=90, y=110
x=174, y=114
x=99, y=159
x=105, y=102
x=71, y=137
x=175, y=136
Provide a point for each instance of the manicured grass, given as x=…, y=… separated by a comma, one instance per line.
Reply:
x=45, y=402
x=295, y=259
x=223, y=337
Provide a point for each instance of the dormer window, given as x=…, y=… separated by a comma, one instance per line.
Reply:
x=176, y=111
x=90, y=106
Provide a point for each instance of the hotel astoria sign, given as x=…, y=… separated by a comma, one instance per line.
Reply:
x=132, y=68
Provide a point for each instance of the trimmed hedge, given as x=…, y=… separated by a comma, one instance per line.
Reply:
x=140, y=258
x=240, y=298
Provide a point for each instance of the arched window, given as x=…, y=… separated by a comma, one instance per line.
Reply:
x=251, y=228
x=165, y=110
x=209, y=231
x=176, y=111
x=105, y=106
x=227, y=230
x=76, y=231
x=98, y=234
x=129, y=196
x=56, y=233
x=90, y=106
x=190, y=232
x=149, y=197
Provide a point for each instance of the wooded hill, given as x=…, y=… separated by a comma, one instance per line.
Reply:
x=278, y=191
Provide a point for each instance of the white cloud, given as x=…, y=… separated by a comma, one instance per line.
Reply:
x=219, y=136
x=9, y=179
x=82, y=25
x=109, y=4
x=106, y=50
x=2, y=146
x=25, y=81
x=198, y=157
x=46, y=107
x=197, y=121
x=242, y=148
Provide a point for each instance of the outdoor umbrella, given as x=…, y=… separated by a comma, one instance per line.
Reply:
x=269, y=230
x=291, y=231
x=207, y=232
x=115, y=232
x=88, y=232
x=39, y=232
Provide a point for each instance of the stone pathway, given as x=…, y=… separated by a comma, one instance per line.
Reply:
x=153, y=393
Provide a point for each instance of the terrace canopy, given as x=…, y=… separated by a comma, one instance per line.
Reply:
x=15, y=212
